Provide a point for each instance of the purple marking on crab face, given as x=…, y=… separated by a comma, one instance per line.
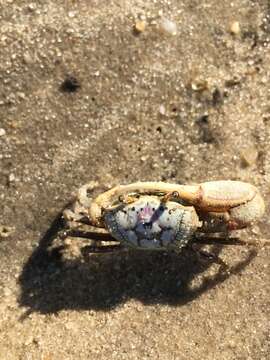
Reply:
x=149, y=214
x=146, y=214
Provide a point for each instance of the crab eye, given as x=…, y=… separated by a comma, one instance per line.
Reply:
x=175, y=194
x=121, y=198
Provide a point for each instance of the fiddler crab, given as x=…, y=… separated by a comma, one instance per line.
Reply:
x=164, y=216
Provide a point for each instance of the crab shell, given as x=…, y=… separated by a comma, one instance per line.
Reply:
x=151, y=224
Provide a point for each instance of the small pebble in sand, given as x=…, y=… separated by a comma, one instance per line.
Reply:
x=71, y=14
x=7, y=291
x=6, y=231
x=167, y=26
x=144, y=158
x=199, y=85
x=139, y=26
x=162, y=109
x=235, y=28
x=2, y=132
x=11, y=178
x=249, y=156
x=32, y=6
x=27, y=58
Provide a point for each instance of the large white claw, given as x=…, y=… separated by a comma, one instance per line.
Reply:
x=229, y=205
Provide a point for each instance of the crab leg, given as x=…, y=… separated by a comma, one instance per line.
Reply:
x=240, y=200
x=209, y=240
x=91, y=235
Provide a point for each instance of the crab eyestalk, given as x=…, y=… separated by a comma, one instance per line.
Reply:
x=105, y=200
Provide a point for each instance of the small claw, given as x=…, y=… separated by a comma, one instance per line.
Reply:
x=84, y=192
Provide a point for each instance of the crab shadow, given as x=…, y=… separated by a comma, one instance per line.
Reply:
x=103, y=281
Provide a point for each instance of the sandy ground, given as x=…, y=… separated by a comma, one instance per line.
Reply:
x=180, y=108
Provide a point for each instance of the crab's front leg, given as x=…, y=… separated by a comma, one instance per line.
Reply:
x=236, y=203
x=229, y=205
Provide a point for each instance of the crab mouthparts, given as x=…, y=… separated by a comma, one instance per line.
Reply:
x=147, y=224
